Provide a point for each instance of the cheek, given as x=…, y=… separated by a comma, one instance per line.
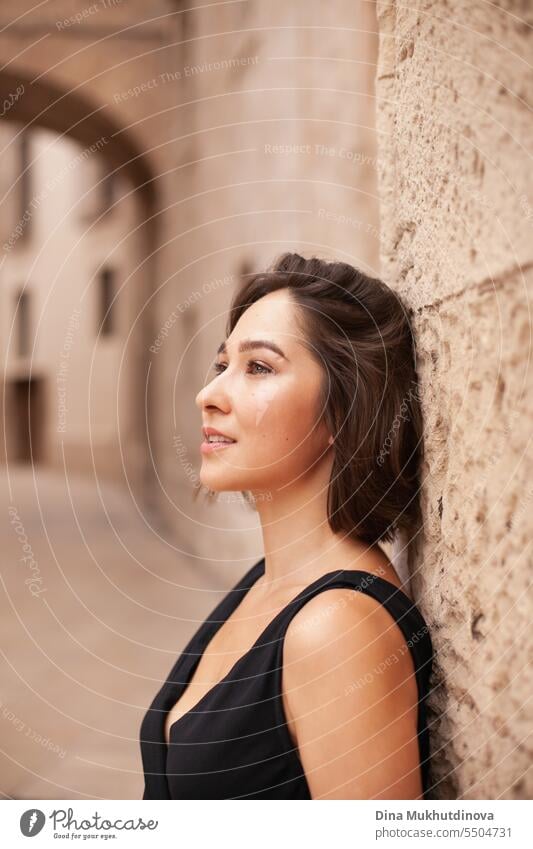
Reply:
x=281, y=418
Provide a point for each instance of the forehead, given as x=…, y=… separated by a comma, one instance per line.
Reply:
x=273, y=314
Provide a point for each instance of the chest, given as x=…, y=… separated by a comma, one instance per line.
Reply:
x=223, y=652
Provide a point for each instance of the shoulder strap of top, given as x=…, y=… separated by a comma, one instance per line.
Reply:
x=404, y=611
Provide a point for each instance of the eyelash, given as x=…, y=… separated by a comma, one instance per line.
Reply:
x=218, y=368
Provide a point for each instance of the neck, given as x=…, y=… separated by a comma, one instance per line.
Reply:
x=298, y=542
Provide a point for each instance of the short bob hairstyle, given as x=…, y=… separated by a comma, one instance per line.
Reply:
x=357, y=328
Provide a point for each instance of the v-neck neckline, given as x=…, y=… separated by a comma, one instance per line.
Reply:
x=205, y=638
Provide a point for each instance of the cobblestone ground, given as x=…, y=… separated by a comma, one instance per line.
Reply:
x=92, y=620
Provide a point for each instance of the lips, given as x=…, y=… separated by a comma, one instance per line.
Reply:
x=215, y=440
x=217, y=435
x=215, y=447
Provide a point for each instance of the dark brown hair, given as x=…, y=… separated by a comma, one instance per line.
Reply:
x=357, y=328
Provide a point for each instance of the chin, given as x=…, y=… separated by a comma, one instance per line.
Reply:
x=218, y=482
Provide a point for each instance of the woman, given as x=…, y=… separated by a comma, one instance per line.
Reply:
x=295, y=686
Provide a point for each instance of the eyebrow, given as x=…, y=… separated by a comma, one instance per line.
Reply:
x=252, y=344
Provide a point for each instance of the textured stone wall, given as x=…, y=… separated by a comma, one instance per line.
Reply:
x=454, y=126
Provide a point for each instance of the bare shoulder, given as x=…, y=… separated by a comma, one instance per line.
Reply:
x=350, y=697
x=336, y=615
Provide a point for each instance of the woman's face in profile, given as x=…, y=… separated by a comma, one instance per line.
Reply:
x=266, y=401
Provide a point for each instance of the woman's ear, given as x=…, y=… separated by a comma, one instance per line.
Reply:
x=330, y=440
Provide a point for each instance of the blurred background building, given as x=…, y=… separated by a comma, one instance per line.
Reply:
x=65, y=308
x=153, y=155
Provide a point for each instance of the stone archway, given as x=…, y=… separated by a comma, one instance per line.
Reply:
x=74, y=115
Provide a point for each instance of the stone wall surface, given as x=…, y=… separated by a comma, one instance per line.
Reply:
x=454, y=127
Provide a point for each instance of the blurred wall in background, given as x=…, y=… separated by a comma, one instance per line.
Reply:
x=240, y=136
x=151, y=156
x=277, y=152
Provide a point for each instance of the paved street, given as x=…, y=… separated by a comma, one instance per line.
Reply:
x=92, y=620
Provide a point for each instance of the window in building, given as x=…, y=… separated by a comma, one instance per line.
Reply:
x=24, y=183
x=106, y=293
x=23, y=326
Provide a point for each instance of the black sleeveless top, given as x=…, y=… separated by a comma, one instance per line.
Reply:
x=235, y=744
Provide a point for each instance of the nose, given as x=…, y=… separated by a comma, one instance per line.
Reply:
x=213, y=396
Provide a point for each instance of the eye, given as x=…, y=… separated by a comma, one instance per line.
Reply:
x=256, y=367
x=263, y=369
